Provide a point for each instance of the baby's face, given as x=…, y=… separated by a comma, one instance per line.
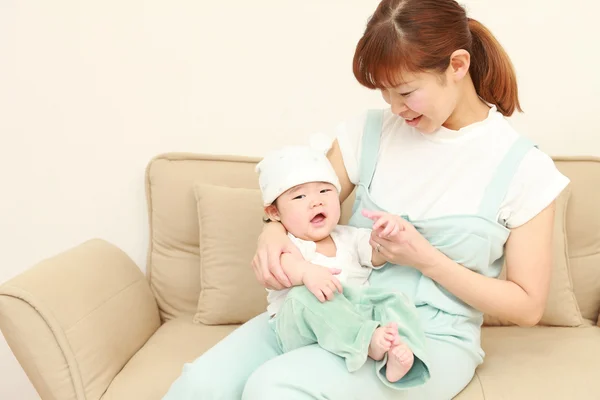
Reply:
x=309, y=211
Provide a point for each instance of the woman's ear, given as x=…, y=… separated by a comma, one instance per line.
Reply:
x=460, y=61
x=272, y=212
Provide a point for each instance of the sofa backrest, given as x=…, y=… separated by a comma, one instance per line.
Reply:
x=174, y=256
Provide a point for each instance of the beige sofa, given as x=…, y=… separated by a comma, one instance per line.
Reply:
x=87, y=324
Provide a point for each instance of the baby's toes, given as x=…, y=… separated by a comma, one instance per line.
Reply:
x=403, y=354
x=399, y=351
x=392, y=328
x=385, y=344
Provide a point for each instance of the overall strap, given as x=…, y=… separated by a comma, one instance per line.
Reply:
x=498, y=187
x=370, y=146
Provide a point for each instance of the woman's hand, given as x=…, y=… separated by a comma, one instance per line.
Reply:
x=400, y=243
x=272, y=243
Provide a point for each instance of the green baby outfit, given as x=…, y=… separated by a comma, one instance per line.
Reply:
x=344, y=326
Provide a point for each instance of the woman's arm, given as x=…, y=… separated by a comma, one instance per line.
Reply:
x=272, y=243
x=520, y=299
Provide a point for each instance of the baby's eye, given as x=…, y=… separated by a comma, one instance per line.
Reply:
x=299, y=197
x=325, y=190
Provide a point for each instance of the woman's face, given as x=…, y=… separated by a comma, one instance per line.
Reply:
x=425, y=100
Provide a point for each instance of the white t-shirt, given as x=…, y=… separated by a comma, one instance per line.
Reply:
x=447, y=172
x=353, y=257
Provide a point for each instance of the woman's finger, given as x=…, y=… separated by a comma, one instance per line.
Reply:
x=270, y=282
x=260, y=269
x=258, y=272
x=373, y=243
x=275, y=269
x=388, y=229
x=386, y=253
x=382, y=246
x=264, y=275
x=387, y=243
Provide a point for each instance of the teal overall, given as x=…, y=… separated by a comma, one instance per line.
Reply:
x=248, y=364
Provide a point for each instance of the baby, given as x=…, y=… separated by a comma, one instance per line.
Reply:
x=332, y=303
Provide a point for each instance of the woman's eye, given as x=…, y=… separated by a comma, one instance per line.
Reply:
x=406, y=94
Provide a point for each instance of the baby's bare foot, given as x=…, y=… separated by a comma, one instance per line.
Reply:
x=382, y=340
x=400, y=361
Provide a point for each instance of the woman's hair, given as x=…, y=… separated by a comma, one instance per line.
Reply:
x=420, y=36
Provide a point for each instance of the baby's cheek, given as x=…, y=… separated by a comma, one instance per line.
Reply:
x=296, y=224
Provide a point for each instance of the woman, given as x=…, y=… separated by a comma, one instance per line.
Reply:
x=472, y=193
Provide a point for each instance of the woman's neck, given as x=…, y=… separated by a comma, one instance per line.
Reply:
x=470, y=108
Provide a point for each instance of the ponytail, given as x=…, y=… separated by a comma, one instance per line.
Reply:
x=421, y=35
x=492, y=71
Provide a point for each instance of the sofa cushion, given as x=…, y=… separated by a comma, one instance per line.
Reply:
x=230, y=221
x=550, y=363
x=583, y=230
x=561, y=307
x=150, y=373
x=520, y=363
x=173, y=253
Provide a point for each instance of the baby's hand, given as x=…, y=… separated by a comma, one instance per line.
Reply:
x=385, y=225
x=321, y=282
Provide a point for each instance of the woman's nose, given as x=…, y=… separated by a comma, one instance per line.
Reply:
x=398, y=105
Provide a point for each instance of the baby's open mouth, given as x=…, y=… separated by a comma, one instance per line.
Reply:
x=320, y=217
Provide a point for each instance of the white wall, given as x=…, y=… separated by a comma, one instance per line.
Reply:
x=90, y=91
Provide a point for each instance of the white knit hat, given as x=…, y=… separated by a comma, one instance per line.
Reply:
x=290, y=166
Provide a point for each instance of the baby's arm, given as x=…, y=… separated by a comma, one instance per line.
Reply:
x=386, y=226
x=377, y=259
x=320, y=281
x=361, y=244
x=295, y=268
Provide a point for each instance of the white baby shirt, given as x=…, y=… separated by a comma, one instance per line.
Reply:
x=353, y=257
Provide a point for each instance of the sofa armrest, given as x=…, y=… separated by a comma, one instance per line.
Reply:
x=73, y=321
